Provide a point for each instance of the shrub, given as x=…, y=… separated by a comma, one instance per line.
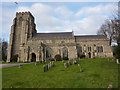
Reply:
x=52, y=59
x=14, y=58
x=65, y=58
x=82, y=56
x=58, y=57
x=117, y=52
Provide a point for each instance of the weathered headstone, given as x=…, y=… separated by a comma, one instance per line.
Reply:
x=50, y=65
x=41, y=62
x=20, y=66
x=117, y=60
x=69, y=63
x=44, y=68
x=66, y=65
x=36, y=63
x=53, y=64
x=80, y=68
x=75, y=62
x=110, y=87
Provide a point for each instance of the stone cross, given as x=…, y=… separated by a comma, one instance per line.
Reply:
x=20, y=66
x=44, y=68
x=117, y=60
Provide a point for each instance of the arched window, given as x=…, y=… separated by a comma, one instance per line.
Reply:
x=65, y=52
x=49, y=52
x=99, y=49
x=79, y=50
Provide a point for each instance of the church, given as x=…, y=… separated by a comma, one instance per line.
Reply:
x=31, y=46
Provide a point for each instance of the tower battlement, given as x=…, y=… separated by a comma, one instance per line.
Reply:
x=24, y=14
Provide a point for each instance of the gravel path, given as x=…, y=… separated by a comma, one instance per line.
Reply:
x=10, y=65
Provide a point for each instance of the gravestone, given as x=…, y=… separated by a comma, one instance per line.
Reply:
x=110, y=87
x=112, y=59
x=117, y=60
x=44, y=68
x=50, y=65
x=74, y=62
x=80, y=68
x=20, y=66
x=53, y=64
x=69, y=63
x=62, y=61
x=41, y=62
x=66, y=65
x=36, y=63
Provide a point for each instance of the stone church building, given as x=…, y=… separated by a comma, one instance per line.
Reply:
x=32, y=46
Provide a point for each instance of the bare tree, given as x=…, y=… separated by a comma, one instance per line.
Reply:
x=111, y=28
x=107, y=30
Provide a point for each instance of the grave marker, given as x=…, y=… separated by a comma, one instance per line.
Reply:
x=20, y=66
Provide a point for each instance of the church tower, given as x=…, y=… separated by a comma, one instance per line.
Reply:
x=22, y=29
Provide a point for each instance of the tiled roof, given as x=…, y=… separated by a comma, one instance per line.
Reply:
x=52, y=35
x=89, y=36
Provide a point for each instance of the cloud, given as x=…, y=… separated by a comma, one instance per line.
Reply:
x=86, y=20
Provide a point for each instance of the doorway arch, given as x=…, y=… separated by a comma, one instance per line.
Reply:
x=33, y=57
x=89, y=55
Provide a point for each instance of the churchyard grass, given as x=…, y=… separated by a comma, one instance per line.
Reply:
x=97, y=73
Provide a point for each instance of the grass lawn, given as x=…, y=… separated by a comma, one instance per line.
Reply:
x=98, y=73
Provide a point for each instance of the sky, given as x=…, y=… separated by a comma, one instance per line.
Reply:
x=84, y=18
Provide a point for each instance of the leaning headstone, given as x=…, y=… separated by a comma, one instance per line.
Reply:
x=110, y=87
x=36, y=63
x=44, y=68
x=20, y=66
x=117, y=60
x=80, y=68
x=66, y=65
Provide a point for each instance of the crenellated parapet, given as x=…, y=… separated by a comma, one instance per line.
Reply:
x=24, y=15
